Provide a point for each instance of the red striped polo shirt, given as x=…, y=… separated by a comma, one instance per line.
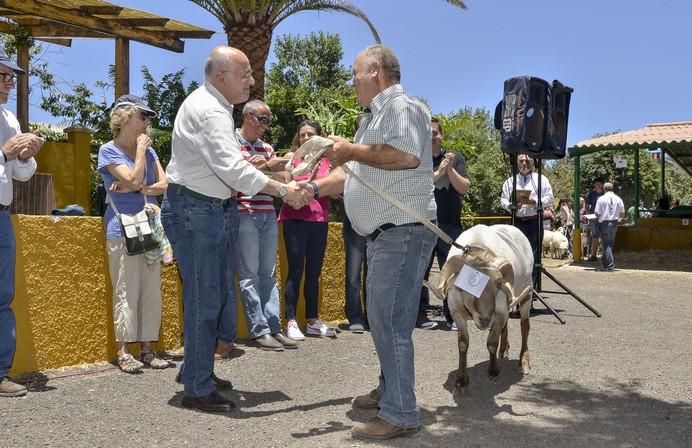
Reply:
x=259, y=203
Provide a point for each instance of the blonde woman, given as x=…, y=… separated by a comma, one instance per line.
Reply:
x=133, y=177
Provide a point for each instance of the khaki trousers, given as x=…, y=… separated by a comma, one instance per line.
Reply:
x=136, y=294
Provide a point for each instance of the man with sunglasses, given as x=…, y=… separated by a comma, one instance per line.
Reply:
x=258, y=235
x=16, y=162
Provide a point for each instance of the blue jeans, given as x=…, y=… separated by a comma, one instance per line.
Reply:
x=355, y=261
x=440, y=251
x=203, y=235
x=397, y=259
x=257, y=244
x=8, y=330
x=607, y=231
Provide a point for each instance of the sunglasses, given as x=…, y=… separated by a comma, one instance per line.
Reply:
x=144, y=116
x=7, y=77
x=262, y=119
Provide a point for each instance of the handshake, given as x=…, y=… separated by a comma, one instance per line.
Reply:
x=299, y=194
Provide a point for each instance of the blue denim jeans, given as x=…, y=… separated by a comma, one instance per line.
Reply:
x=607, y=231
x=257, y=244
x=440, y=251
x=355, y=261
x=8, y=335
x=397, y=259
x=204, y=237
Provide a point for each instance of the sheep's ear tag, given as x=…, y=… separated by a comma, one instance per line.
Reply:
x=471, y=281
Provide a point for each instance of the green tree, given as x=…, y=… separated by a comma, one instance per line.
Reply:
x=249, y=25
x=471, y=132
x=308, y=81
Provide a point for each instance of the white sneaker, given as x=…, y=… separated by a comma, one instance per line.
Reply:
x=319, y=328
x=293, y=332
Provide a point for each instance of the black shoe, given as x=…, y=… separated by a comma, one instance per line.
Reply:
x=218, y=382
x=213, y=402
x=221, y=384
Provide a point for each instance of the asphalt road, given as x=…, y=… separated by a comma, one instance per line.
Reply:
x=623, y=380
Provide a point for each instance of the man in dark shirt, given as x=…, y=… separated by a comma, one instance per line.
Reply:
x=451, y=182
x=591, y=200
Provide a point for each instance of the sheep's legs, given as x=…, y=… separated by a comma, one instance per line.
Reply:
x=524, y=359
x=493, y=340
x=462, y=382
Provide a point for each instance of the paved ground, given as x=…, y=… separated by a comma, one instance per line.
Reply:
x=624, y=380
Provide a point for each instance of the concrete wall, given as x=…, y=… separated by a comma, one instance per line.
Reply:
x=63, y=295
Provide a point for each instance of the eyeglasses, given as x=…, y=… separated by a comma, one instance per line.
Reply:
x=246, y=76
x=262, y=119
x=144, y=116
x=7, y=77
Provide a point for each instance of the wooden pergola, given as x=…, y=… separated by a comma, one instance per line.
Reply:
x=60, y=21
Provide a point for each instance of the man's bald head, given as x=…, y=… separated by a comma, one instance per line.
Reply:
x=228, y=70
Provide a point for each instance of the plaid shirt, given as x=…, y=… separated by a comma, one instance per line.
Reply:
x=403, y=122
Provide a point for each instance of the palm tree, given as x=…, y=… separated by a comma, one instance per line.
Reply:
x=249, y=24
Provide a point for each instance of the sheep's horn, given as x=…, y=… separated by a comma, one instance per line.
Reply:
x=437, y=292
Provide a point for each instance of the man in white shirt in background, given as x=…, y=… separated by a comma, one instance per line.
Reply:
x=609, y=210
x=200, y=216
x=17, y=152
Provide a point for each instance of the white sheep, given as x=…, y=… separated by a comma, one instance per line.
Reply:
x=502, y=253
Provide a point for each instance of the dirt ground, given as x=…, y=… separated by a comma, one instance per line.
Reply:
x=622, y=380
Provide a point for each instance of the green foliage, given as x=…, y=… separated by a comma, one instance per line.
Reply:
x=307, y=74
x=471, y=132
x=679, y=183
x=336, y=111
x=600, y=164
x=560, y=173
x=49, y=132
x=165, y=96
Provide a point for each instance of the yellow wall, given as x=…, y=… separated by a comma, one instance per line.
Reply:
x=63, y=295
x=70, y=165
x=655, y=233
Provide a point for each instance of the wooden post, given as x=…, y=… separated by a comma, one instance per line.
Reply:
x=122, y=66
x=23, y=87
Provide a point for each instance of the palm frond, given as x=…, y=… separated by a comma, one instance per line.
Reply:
x=458, y=3
x=291, y=7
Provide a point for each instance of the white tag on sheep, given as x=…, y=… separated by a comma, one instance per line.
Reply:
x=471, y=281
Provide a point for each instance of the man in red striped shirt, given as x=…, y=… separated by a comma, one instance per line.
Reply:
x=257, y=239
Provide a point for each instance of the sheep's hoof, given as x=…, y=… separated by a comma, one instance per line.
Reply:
x=460, y=391
x=505, y=354
x=494, y=375
x=524, y=366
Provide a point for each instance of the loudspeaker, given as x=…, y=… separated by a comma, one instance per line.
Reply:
x=532, y=117
x=555, y=143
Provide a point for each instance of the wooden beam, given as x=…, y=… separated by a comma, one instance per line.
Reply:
x=92, y=23
x=23, y=88
x=56, y=41
x=53, y=30
x=111, y=10
x=122, y=67
x=140, y=21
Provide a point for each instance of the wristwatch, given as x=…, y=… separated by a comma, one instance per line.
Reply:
x=283, y=191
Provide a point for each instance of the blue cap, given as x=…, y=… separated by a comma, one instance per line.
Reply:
x=133, y=100
x=7, y=62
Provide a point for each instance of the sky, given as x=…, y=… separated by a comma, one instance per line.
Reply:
x=627, y=60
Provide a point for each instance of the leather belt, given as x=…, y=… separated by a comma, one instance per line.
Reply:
x=182, y=189
x=373, y=236
x=526, y=218
x=4, y=207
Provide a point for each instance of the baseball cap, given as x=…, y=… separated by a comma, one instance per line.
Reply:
x=7, y=62
x=133, y=100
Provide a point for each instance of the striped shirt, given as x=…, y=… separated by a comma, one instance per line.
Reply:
x=403, y=122
x=259, y=203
